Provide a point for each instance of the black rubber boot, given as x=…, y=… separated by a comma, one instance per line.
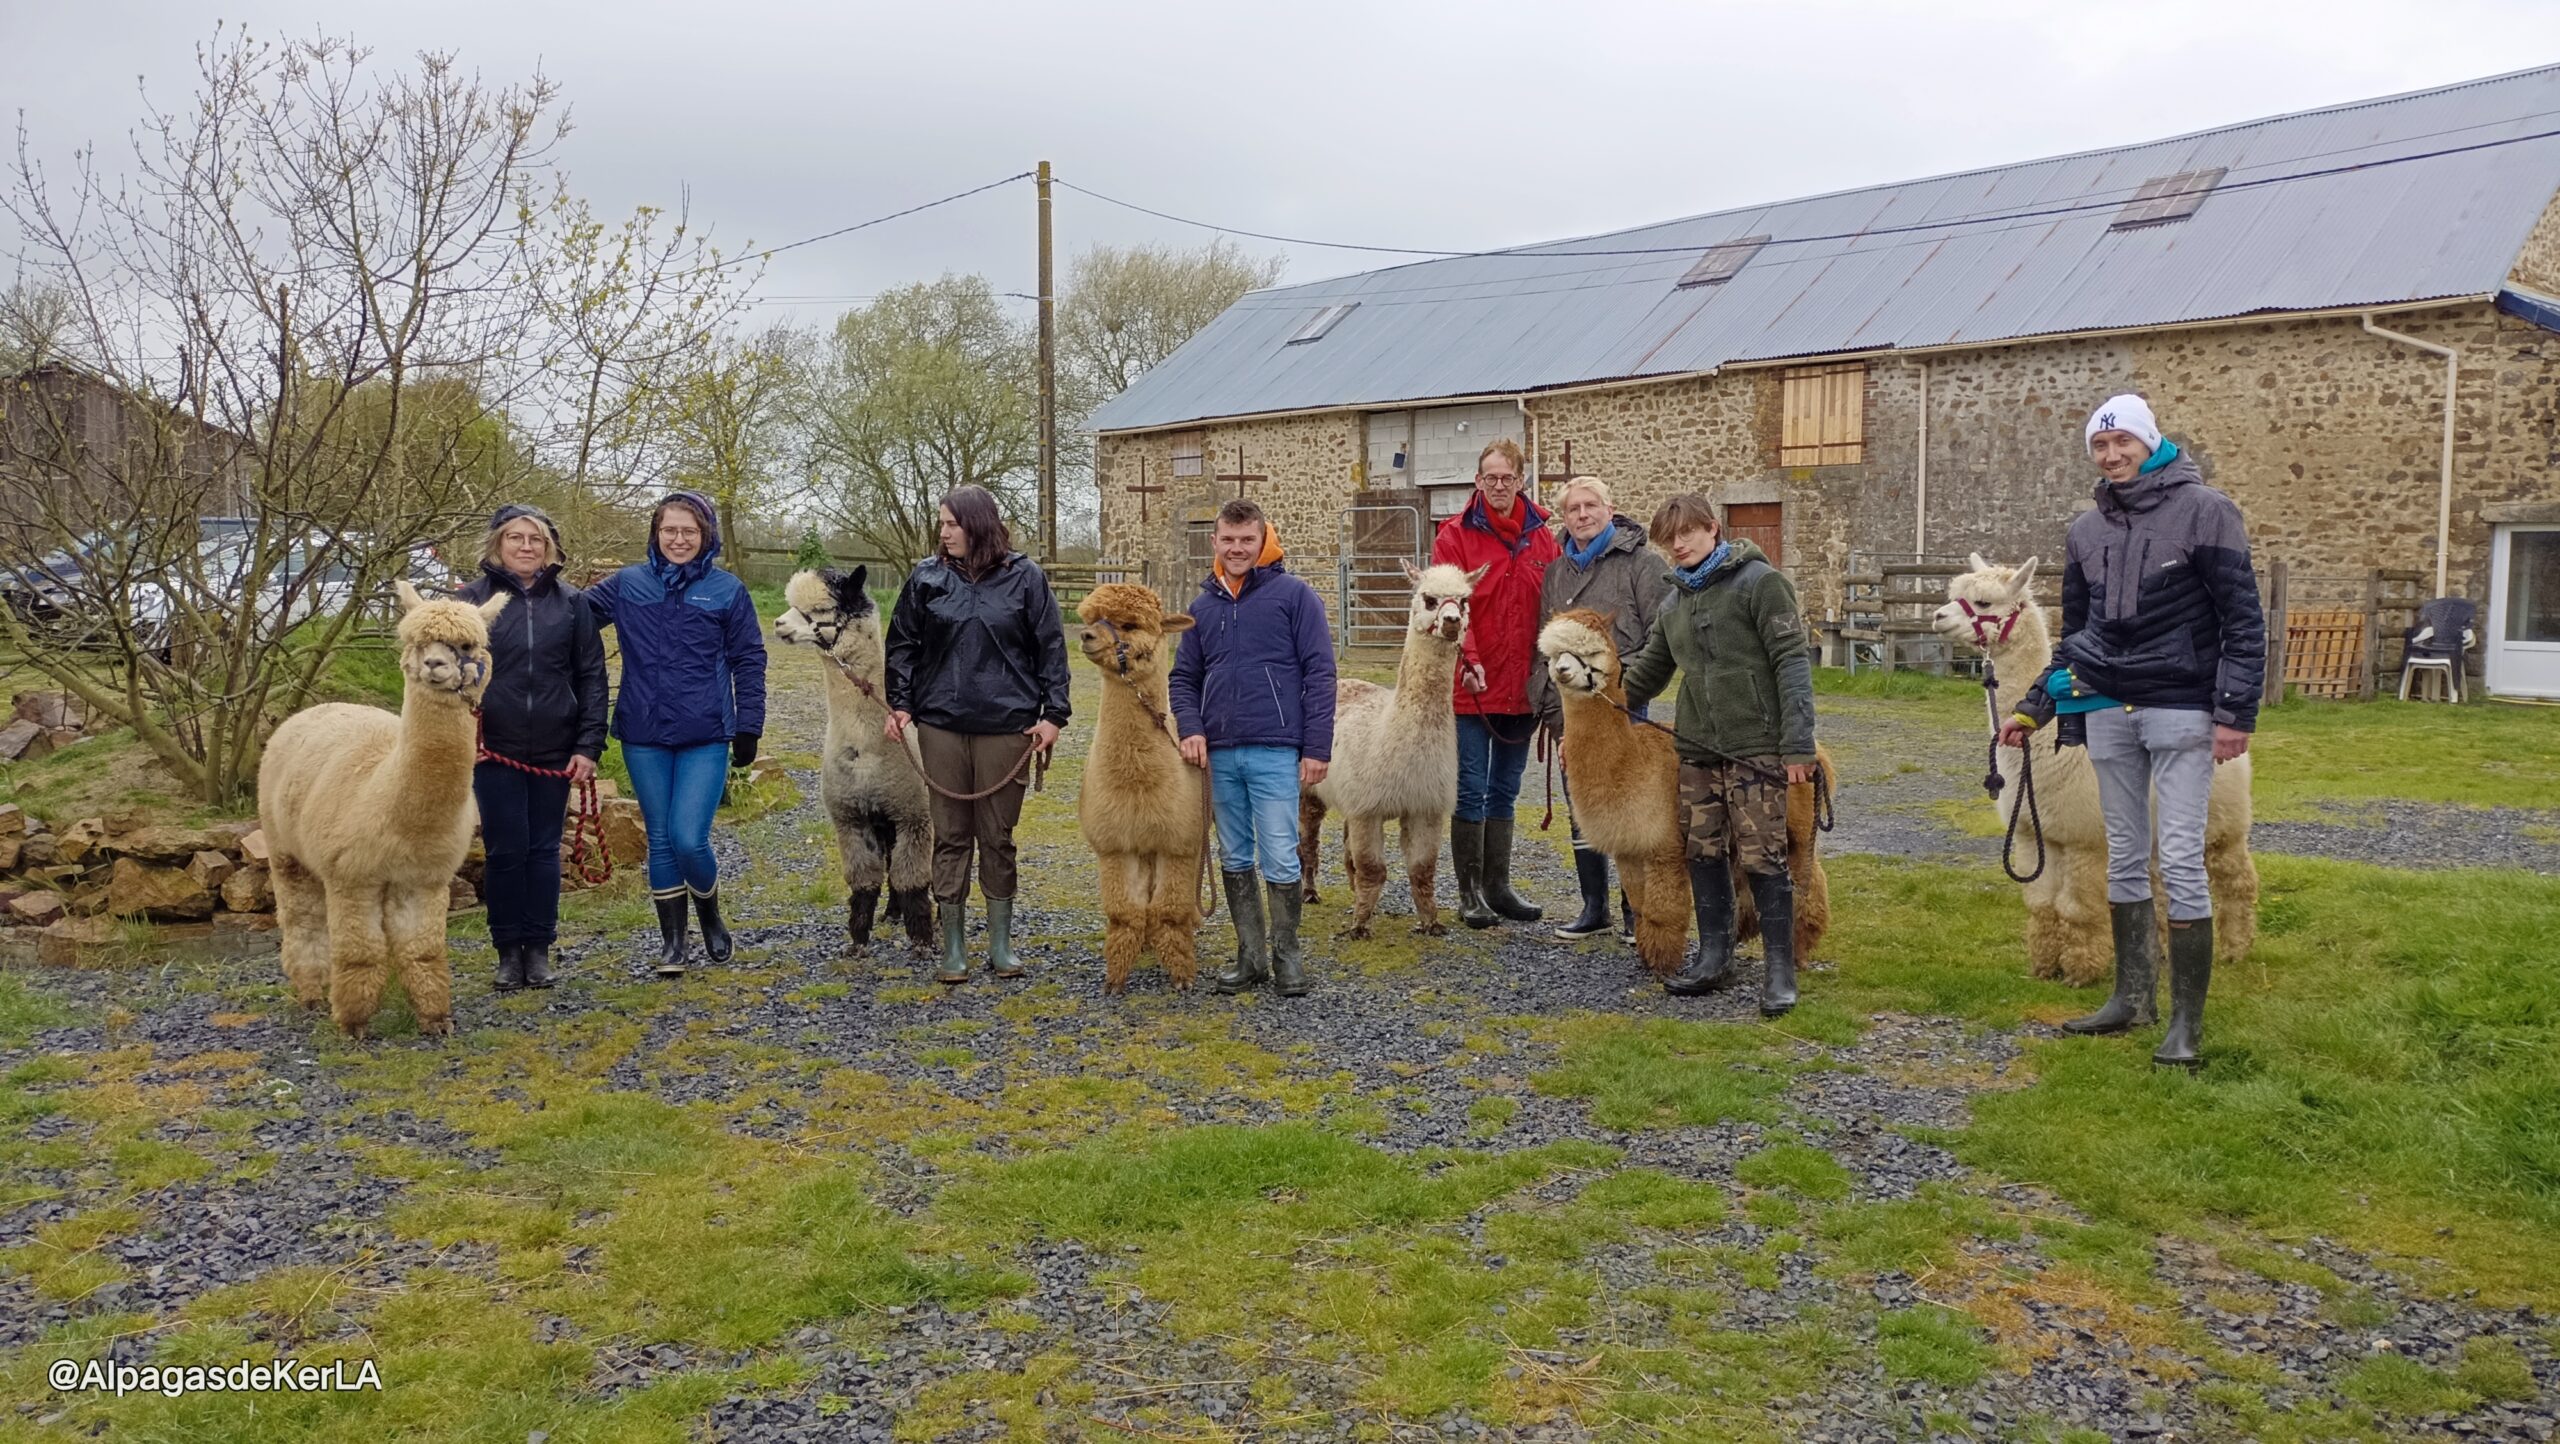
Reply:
x=2190, y=975
x=2135, y=1002
x=1466, y=854
x=954, y=917
x=537, y=965
x=1591, y=871
x=1000, y=958
x=1711, y=959
x=859, y=910
x=510, y=967
x=672, y=930
x=1774, y=895
x=1253, y=947
x=1288, y=959
x=1497, y=874
x=717, y=945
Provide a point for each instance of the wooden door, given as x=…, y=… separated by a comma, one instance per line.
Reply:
x=1763, y=522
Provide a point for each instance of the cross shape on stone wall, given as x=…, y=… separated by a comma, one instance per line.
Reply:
x=1240, y=476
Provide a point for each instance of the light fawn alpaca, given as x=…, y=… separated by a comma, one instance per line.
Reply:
x=1626, y=784
x=367, y=815
x=873, y=790
x=1395, y=755
x=1626, y=795
x=1992, y=609
x=1140, y=805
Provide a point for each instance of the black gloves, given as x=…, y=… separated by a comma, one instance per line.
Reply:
x=742, y=749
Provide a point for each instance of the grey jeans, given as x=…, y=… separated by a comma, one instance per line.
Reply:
x=2145, y=755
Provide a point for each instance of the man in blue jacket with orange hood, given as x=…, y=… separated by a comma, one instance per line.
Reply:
x=1252, y=693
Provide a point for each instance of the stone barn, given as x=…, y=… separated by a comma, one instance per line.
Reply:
x=2348, y=314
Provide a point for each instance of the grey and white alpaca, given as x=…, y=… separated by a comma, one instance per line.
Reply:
x=873, y=789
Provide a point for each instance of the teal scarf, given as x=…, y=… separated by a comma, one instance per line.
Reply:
x=1693, y=578
x=2167, y=453
x=1583, y=556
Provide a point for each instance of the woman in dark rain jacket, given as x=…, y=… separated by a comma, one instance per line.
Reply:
x=544, y=708
x=978, y=667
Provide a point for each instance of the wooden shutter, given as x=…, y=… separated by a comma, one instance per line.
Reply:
x=1823, y=415
x=1188, y=449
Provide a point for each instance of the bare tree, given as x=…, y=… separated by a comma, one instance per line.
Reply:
x=930, y=387
x=335, y=301
x=36, y=323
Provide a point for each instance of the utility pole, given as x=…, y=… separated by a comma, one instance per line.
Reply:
x=1048, y=384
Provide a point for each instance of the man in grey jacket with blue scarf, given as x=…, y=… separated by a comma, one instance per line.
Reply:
x=2162, y=660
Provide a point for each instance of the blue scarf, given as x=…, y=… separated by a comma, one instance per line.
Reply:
x=2167, y=453
x=1693, y=578
x=1583, y=556
x=674, y=577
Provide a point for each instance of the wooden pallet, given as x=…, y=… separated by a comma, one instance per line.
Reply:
x=2325, y=652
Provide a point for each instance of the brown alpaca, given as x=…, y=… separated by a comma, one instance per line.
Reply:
x=1626, y=797
x=1140, y=803
x=1395, y=755
x=873, y=790
x=367, y=816
x=1993, y=610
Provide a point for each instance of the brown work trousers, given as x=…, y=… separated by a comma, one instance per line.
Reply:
x=969, y=762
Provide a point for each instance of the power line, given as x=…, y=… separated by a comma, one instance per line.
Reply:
x=768, y=252
x=1541, y=251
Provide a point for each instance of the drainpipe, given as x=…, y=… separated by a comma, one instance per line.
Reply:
x=2444, y=491
x=1529, y=434
x=1920, y=512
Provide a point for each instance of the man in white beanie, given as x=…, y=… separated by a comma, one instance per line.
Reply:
x=2162, y=659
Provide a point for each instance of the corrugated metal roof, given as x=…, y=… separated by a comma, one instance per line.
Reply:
x=2406, y=198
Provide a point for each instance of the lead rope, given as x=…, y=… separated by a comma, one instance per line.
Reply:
x=588, y=856
x=1992, y=782
x=1825, y=812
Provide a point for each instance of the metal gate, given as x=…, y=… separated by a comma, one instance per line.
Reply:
x=1378, y=539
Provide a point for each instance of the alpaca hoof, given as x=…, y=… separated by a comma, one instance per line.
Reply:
x=439, y=1028
x=1309, y=895
x=1429, y=930
x=1359, y=934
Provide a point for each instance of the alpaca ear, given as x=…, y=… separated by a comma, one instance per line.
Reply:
x=1178, y=622
x=1412, y=573
x=2024, y=574
x=408, y=595
x=1982, y=565
x=847, y=590
x=1477, y=576
x=490, y=609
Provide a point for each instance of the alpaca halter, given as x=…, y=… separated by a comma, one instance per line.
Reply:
x=1985, y=632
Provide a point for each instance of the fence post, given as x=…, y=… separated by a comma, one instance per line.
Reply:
x=2372, y=633
x=2278, y=628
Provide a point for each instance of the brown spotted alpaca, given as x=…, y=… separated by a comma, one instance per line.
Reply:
x=1140, y=804
x=1395, y=757
x=1992, y=608
x=1626, y=797
x=367, y=815
x=873, y=790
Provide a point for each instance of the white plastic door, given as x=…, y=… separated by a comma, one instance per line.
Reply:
x=2523, y=653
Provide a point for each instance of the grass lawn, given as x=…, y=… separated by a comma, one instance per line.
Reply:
x=710, y=1166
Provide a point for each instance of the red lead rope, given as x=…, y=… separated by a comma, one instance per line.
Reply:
x=587, y=854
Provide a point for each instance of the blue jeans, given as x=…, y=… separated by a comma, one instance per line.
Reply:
x=521, y=817
x=1256, y=793
x=1489, y=765
x=2143, y=754
x=679, y=789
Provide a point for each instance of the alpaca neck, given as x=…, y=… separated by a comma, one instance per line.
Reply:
x=428, y=774
x=1126, y=701
x=2018, y=659
x=1425, y=672
x=847, y=702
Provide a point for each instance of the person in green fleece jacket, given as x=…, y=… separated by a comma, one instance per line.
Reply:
x=1743, y=729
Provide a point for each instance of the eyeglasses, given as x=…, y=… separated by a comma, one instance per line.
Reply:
x=1499, y=476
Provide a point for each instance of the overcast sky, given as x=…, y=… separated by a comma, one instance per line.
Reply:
x=1434, y=125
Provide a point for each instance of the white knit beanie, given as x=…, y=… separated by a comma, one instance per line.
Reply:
x=2127, y=413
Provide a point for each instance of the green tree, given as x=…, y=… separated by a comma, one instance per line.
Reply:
x=930, y=387
x=728, y=413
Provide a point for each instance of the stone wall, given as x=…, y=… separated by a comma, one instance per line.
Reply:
x=2538, y=265
x=1313, y=462
x=2326, y=436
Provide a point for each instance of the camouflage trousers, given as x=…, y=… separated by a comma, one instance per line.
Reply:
x=1736, y=809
